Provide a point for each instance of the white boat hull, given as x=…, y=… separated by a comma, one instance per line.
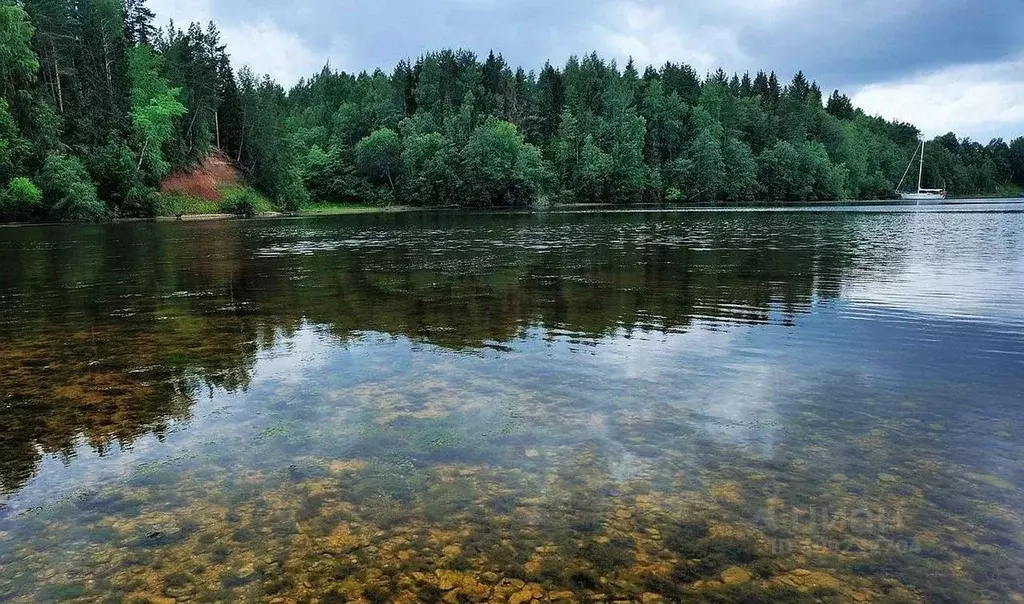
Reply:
x=922, y=196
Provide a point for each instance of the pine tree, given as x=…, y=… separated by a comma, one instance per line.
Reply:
x=138, y=22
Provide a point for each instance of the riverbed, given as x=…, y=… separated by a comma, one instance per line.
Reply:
x=768, y=405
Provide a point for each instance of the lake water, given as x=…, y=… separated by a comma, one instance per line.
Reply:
x=800, y=405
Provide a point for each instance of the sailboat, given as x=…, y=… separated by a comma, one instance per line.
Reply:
x=922, y=194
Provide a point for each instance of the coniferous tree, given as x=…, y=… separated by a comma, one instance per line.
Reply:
x=138, y=22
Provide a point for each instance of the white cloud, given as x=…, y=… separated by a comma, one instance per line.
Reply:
x=182, y=12
x=260, y=44
x=646, y=34
x=979, y=100
x=266, y=48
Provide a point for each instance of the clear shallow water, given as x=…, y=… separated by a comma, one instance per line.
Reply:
x=698, y=406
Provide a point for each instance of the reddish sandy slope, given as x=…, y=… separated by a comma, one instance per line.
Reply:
x=205, y=180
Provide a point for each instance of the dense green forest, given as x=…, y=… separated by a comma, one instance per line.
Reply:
x=98, y=106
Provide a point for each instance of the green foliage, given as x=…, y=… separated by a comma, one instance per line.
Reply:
x=197, y=63
x=268, y=156
x=379, y=156
x=176, y=204
x=118, y=180
x=582, y=167
x=12, y=145
x=328, y=177
x=625, y=132
x=155, y=107
x=827, y=181
x=21, y=191
x=779, y=173
x=431, y=170
x=17, y=61
x=500, y=168
x=68, y=192
x=740, y=182
x=20, y=199
x=1015, y=161
x=244, y=202
x=706, y=176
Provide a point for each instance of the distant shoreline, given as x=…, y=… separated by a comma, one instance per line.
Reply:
x=341, y=210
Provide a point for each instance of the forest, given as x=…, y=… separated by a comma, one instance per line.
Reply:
x=98, y=107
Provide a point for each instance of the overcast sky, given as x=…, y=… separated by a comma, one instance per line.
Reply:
x=941, y=64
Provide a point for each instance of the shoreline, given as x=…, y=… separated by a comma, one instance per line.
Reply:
x=329, y=210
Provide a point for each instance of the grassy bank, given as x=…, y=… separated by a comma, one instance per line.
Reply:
x=245, y=201
x=236, y=200
x=338, y=209
x=1009, y=191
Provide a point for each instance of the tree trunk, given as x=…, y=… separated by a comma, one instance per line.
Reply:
x=142, y=154
x=241, y=139
x=106, y=69
x=191, y=124
x=56, y=73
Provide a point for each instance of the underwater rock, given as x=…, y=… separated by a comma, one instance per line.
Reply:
x=735, y=575
x=531, y=591
x=820, y=579
x=246, y=572
x=806, y=580
x=447, y=579
x=461, y=585
x=728, y=492
x=347, y=465
x=151, y=598
x=504, y=589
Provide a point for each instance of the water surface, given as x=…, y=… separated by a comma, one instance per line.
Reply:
x=802, y=405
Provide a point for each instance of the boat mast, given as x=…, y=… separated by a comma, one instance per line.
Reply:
x=920, y=170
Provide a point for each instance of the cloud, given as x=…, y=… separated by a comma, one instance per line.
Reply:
x=261, y=44
x=980, y=100
x=649, y=36
x=266, y=48
x=182, y=12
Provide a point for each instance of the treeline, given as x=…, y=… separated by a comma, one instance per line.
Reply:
x=98, y=106
x=451, y=129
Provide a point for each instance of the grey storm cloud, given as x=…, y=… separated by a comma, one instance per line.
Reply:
x=841, y=43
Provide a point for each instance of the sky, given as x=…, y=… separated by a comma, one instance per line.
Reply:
x=944, y=65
